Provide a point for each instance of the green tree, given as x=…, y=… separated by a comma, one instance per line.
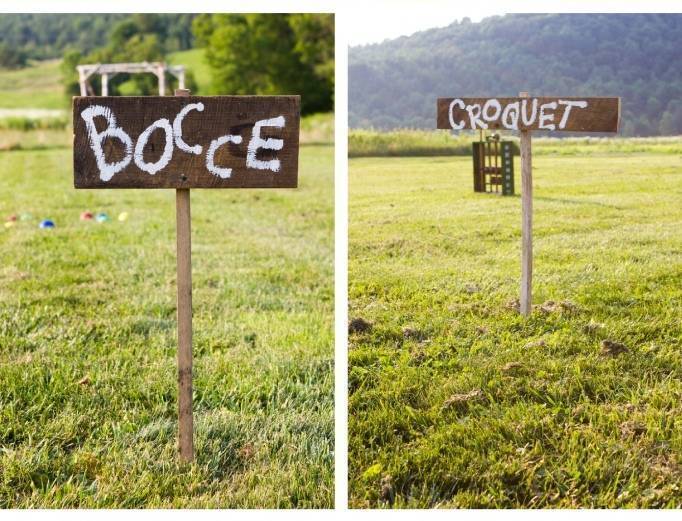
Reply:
x=133, y=38
x=69, y=76
x=667, y=125
x=315, y=43
x=11, y=58
x=271, y=54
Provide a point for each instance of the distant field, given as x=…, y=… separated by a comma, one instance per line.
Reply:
x=38, y=86
x=33, y=99
x=88, y=343
x=455, y=399
x=193, y=60
x=416, y=143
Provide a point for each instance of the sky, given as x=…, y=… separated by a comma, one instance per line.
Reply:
x=382, y=19
x=378, y=20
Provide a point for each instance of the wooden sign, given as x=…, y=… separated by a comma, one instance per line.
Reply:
x=567, y=114
x=186, y=141
x=525, y=114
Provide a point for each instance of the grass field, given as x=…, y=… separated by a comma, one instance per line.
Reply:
x=38, y=86
x=458, y=401
x=193, y=60
x=88, y=349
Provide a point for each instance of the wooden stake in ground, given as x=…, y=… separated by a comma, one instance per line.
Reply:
x=184, y=142
x=526, y=221
x=184, y=305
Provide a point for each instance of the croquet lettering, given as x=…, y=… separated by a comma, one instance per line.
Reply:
x=173, y=139
x=546, y=115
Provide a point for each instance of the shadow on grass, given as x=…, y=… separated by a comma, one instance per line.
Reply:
x=580, y=202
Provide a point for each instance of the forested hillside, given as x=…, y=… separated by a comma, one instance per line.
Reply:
x=41, y=36
x=395, y=83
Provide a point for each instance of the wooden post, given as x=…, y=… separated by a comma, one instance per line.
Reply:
x=526, y=221
x=184, y=282
x=161, y=74
x=81, y=81
x=105, y=84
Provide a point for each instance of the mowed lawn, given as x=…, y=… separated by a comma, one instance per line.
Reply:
x=458, y=401
x=88, y=343
x=38, y=86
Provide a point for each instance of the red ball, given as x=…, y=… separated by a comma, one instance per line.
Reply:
x=86, y=216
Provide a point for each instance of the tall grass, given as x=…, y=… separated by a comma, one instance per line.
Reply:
x=369, y=143
x=317, y=129
x=26, y=123
x=407, y=142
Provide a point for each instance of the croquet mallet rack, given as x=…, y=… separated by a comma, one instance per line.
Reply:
x=493, y=165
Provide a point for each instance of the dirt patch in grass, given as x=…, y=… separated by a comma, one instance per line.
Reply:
x=612, y=348
x=359, y=326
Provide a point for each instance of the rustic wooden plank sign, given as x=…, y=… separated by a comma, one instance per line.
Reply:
x=186, y=142
x=526, y=114
x=568, y=114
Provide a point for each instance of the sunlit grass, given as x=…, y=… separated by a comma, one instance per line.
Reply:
x=458, y=401
x=88, y=343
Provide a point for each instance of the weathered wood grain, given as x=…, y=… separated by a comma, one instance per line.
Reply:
x=599, y=114
x=221, y=116
x=184, y=309
x=526, y=300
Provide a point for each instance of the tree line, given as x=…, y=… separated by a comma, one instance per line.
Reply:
x=247, y=53
x=395, y=84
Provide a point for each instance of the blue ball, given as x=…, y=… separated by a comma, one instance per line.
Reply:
x=102, y=217
x=46, y=224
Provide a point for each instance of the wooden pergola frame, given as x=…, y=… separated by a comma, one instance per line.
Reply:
x=109, y=70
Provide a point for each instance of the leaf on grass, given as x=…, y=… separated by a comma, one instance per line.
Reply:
x=513, y=368
x=372, y=472
x=457, y=401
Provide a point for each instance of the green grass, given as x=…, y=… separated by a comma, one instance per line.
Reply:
x=455, y=399
x=35, y=139
x=193, y=60
x=88, y=343
x=38, y=86
x=416, y=143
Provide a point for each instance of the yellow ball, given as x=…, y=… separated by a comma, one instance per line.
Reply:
x=123, y=216
x=9, y=224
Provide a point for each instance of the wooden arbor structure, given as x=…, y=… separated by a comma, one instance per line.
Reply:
x=109, y=70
